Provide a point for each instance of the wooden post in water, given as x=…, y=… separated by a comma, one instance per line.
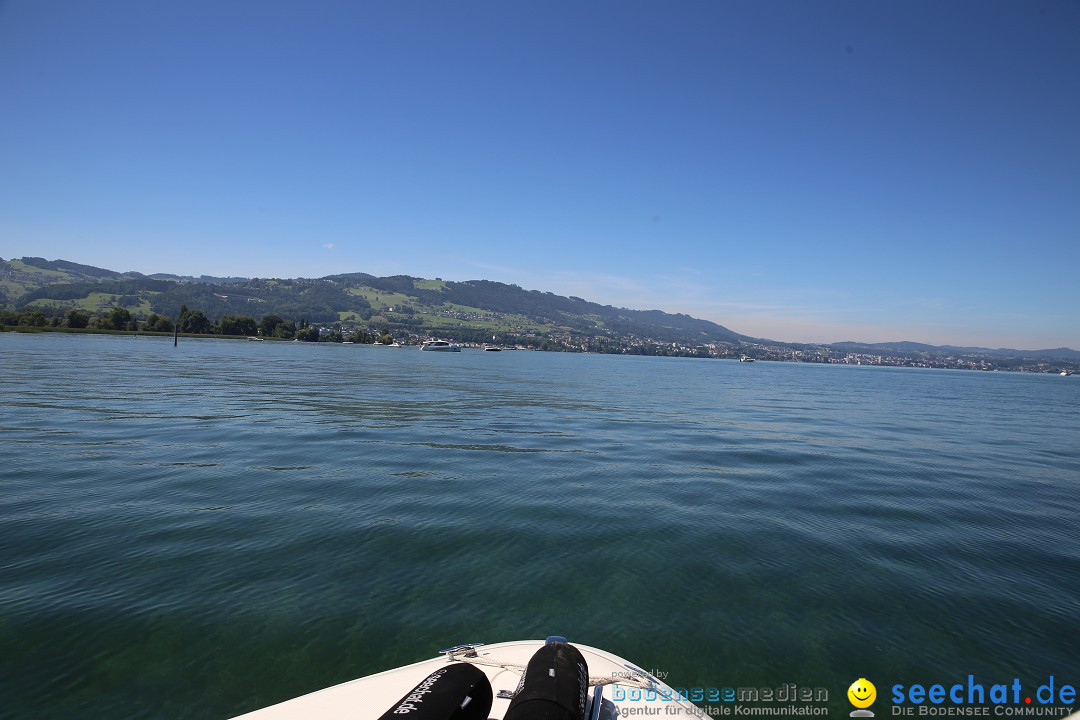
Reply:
x=176, y=328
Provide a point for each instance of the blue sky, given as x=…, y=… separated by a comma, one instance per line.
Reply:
x=806, y=171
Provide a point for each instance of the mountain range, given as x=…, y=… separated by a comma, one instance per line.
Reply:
x=907, y=348
x=471, y=310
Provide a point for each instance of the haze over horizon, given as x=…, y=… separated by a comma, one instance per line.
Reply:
x=802, y=172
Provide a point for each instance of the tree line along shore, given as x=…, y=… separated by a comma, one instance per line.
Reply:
x=189, y=322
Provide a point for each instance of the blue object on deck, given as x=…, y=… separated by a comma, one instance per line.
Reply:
x=555, y=639
x=597, y=702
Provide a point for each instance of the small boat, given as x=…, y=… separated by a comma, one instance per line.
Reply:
x=394, y=344
x=1065, y=373
x=492, y=348
x=503, y=681
x=440, y=346
x=746, y=358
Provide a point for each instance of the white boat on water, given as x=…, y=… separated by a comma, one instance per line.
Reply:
x=492, y=348
x=440, y=346
x=516, y=680
x=746, y=358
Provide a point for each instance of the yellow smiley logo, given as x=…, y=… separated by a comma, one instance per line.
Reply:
x=862, y=693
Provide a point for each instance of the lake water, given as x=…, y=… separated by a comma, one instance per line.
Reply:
x=199, y=531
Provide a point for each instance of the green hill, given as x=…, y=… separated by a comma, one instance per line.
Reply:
x=468, y=311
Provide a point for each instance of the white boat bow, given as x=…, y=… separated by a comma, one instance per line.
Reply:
x=616, y=687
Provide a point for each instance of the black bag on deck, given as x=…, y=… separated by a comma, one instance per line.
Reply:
x=456, y=692
x=553, y=687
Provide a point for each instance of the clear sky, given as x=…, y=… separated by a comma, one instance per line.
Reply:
x=804, y=171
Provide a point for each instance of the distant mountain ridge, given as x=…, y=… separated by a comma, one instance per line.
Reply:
x=476, y=307
x=73, y=268
x=1062, y=353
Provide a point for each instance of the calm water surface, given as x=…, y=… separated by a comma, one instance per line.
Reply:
x=201, y=531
